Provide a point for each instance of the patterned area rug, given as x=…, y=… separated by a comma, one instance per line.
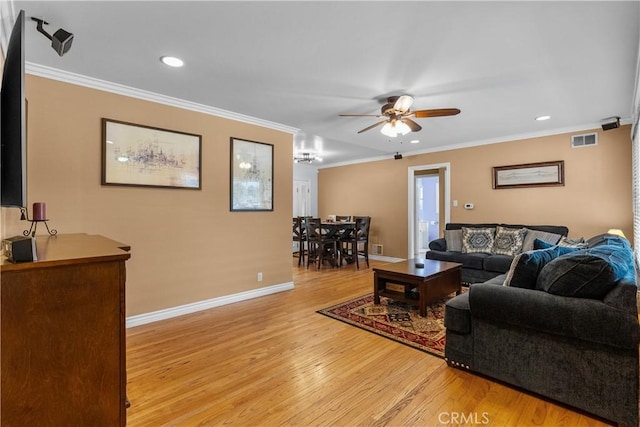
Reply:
x=396, y=320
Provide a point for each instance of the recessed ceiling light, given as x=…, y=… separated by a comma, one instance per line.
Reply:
x=414, y=141
x=541, y=118
x=172, y=61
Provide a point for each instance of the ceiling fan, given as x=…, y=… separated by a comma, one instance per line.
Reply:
x=398, y=116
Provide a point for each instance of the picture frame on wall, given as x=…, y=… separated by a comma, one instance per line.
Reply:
x=542, y=174
x=146, y=156
x=251, y=176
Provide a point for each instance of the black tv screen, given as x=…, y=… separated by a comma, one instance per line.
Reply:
x=13, y=127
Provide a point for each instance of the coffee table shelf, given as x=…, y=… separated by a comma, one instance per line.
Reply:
x=433, y=280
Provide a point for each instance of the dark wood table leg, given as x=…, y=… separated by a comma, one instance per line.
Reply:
x=423, y=298
x=376, y=287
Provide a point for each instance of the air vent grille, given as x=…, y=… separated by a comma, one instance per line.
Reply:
x=376, y=249
x=586, y=140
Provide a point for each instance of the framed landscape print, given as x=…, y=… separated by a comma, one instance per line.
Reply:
x=542, y=174
x=146, y=156
x=251, y=175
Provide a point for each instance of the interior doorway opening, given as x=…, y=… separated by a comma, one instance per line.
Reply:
x=427, y=205
x=429, y=201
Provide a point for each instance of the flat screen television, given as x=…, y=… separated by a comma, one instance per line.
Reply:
x=13, y=125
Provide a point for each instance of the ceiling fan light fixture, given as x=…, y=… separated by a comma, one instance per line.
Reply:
x=395, y=128
x=402, y=128
x=389, y=130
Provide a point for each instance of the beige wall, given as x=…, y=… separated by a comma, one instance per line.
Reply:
x=186, y=244
x=596, y=195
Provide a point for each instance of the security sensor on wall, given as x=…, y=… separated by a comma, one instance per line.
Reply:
x=610, y=123
x=61, y=39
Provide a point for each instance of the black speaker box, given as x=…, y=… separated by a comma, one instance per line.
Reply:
x=20, y=249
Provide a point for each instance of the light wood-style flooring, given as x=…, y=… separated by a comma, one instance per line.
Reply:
x=274, y=361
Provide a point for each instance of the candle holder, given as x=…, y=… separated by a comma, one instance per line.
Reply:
x=24, y=216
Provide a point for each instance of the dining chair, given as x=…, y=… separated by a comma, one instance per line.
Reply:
x=321, y=244
x=356, y=239
x=298, y=237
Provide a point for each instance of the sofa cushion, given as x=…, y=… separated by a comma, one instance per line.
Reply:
x=497, y=263
x=532, y=235
x=477, y=240
x=587, y=273
x=526, y=266
x=508, y=241
x=474, y=261
x=454, y=240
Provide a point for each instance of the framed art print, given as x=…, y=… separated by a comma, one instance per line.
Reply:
x=146, y=156
x=251, y=176
x=544, y=174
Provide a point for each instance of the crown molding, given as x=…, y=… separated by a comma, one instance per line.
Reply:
x=507, y=138
x=106, y=86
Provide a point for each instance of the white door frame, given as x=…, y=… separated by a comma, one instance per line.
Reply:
x=412, y=199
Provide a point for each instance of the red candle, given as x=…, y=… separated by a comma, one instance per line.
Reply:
x=39, y=211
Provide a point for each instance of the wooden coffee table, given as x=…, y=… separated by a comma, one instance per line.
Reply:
x=434, y=281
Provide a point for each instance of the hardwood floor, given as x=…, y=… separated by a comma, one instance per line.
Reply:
x=274, y=361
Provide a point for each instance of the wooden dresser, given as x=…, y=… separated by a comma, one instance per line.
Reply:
x=63, y=334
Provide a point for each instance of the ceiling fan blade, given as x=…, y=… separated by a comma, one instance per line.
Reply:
x=403, y=103
x=440, y=112
x=412, y=125
x=360, y=115
x=373, y=125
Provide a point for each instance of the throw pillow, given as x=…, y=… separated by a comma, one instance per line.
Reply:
x=587, y=273
x=477, y=240
x=576, y=243
x=526, y=266
x=454, y=240
x=541, y=244
x=508, y=241
x=537, y=234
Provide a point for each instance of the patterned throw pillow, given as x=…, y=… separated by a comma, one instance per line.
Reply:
x=508, y=241
x=477, y=240
x=576, y=243
x=454, y=240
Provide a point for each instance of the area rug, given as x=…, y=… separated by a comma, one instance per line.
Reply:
x=396, y=320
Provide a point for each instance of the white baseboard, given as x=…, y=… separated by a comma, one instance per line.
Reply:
x=168, y=313
x=386, y=258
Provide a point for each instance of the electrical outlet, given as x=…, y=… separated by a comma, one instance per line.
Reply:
x=260, y=277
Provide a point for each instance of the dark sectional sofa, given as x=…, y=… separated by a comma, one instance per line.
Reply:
x=479, y=267
x=566, y=328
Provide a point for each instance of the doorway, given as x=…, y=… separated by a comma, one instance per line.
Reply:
x=429, y=196
x=301, y=204
x=301, y=198
x=427, y=205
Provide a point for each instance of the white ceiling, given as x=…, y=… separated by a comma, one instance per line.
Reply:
x=300, y=64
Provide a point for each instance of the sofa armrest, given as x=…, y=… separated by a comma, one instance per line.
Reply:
x=580, y=318
x=438, y=244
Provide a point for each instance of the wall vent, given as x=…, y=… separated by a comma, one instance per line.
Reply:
x=586, y=140
x=376, y=249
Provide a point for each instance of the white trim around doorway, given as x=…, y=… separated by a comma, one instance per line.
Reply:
x=411, y=198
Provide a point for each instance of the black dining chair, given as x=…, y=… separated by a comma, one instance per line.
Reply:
x=321, y=244
x=356, y=242
x=299, y=238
